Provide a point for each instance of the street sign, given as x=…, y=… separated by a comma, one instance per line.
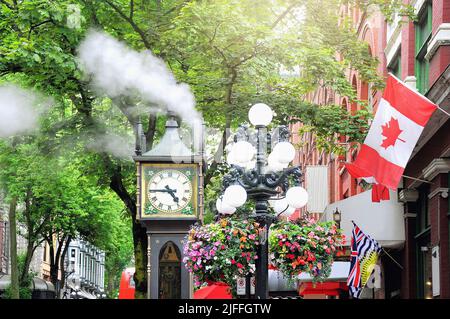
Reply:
x=252, y=285
x=241, y=286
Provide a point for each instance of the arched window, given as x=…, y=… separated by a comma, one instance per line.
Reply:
x=169, y=272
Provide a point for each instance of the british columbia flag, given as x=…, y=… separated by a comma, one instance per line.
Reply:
x=364, y=256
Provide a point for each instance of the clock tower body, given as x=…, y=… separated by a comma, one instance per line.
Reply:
x=169, y=200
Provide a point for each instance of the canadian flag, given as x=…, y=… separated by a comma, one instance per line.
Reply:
x=401, y=116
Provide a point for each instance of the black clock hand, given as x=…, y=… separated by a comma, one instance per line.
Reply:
x=159, y=190
x=172, y=193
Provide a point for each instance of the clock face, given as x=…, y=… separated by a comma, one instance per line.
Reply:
x=169, y=191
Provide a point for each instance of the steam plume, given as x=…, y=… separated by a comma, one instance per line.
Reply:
x=117, y=70
x=19, y=111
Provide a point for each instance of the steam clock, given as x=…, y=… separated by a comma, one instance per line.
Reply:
x=169, y=201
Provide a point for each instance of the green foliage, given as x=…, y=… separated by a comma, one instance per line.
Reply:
x=24, y=293
x=25, y=288
x=229, y=51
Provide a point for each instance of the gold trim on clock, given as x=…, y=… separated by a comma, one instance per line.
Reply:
x=165, y=213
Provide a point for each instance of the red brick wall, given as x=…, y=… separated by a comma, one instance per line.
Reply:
x=441, y=13
x=407, y=50
x=439, y=62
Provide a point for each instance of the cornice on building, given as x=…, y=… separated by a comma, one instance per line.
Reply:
x=408, y=195
x=441, y=37
x=439, y=191
x=436, y=167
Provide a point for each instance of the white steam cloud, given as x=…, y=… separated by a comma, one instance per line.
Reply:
x=117, y=70
x=19, y=111
x=119, y=146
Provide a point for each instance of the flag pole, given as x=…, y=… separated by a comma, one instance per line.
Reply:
x=417, y=179
x=392, y=258
x=443, y=111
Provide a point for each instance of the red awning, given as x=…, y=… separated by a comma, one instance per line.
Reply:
x=214, y=291
x=330, y=288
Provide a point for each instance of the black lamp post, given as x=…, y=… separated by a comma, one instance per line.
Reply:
x=269, y=179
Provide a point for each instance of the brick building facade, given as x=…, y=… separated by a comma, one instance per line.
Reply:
x=424, y=54
x=419, y=54
x=371, y=29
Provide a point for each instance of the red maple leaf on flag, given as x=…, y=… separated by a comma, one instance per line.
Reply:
x=391, y=130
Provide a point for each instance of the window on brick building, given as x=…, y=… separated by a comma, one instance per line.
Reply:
x=422, y=37
x=395, y=66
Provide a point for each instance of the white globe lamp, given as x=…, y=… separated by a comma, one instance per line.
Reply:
x=243, y=152
x=285, y=152
x=235, y=195
x=260, y=114
x=273, y=165
x=224, y=208
x=297, y=197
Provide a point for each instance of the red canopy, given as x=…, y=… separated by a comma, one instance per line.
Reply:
x=324, y=288
x=215, y=290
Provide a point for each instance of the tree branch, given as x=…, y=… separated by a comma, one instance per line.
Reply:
x=35, y=26
x=284, y=14
x=7, y=4
x=135, y=27
x=150, y=134
x=116, y=184
x=131, y=9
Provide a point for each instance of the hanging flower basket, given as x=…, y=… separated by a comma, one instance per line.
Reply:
x=221, y=251
x=225, y=250
x=304, y=246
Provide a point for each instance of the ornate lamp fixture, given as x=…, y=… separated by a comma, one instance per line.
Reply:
x=263, y=179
